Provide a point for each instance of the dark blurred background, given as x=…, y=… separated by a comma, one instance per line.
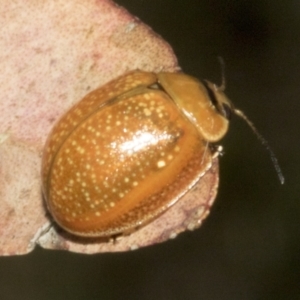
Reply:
x=249, y=246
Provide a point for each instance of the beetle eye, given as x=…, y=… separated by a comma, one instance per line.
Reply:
x=226, y=110
x=211, y=94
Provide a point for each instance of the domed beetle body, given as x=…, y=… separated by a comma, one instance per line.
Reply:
x=131, y=149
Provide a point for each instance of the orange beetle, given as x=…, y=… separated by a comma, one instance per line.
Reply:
x=130, y=149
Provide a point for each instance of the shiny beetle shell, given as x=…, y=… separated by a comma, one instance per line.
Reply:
x=129, y=150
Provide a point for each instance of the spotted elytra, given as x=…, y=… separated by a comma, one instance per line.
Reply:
x=131, y=149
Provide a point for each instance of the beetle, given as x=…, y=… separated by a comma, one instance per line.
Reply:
x=131, y=149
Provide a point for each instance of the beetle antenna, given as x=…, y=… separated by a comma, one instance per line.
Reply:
x=223, y=79
x=264, y=142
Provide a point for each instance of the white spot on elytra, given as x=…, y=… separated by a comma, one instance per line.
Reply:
x=147, y=112
x=161, y=164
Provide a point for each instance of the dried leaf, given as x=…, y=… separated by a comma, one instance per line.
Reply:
x=53, y=52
